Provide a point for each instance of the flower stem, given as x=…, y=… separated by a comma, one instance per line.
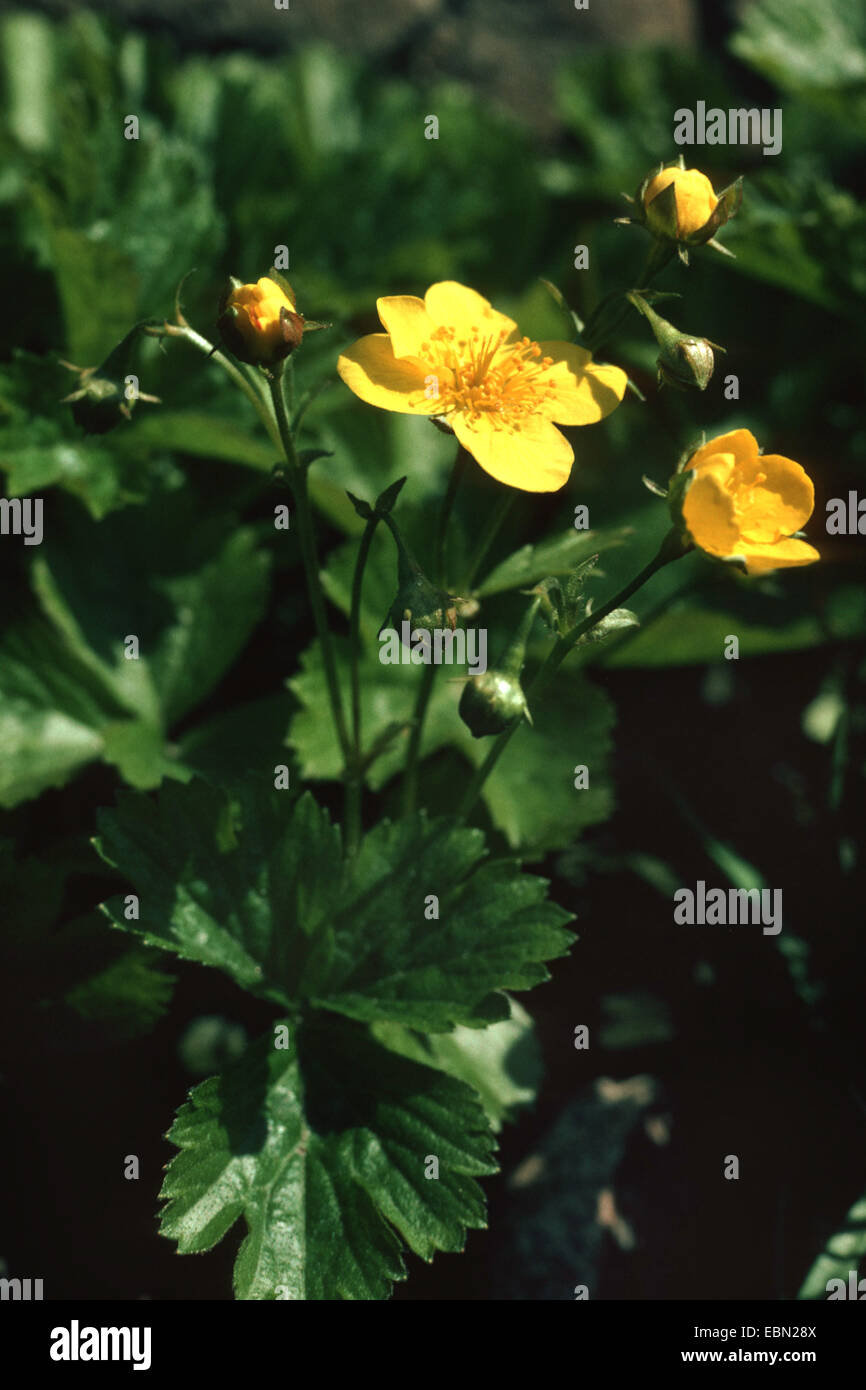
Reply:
x=457, y=471
x=495, y=518
x=240, y=380
x=355, y=628
x=615, y=307
x=425, y=687
x=410, y=784
x=307, y=540
x=354, y=774
x=671, y=549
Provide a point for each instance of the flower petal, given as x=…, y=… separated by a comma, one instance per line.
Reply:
x=741, y=443
x=370, y=369
x=451, y=305
x=781, y=504
x=708, y=510
x=531, y=455
x=583, y=391
x=407, y=323
x=782, y=554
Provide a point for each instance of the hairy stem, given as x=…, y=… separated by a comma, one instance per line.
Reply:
x=307, y=541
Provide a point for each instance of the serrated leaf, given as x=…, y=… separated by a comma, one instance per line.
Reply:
x=105, y=979
x=281, y=913
x=322, y=1146
x=68, y=693
x=128, y=995
x=557, y=556
x=502, y=1063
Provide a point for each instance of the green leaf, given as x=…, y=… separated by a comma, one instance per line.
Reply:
x=815, y=51
x=41, y=447
x=279, y=911
x=557, y=556
x=805, y=235
x=843, y=1253
x=69, y=693
x=128, y=994
x=104, y=978
x=239, y=742
x=322, y=1147
x=202, y=435
x=98, y=291
x=52, y=711
x=530, y=794
x=369, y=450
x=687, y=634
x=502, y=1063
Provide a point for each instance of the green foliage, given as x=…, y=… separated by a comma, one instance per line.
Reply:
x=321, y=1146
x=107, y=984
x=319, y=1136
x=529, y=795
x=400, y=1040
x=278, y=911
x=817, y=52
x=502, y=1062
x=71, y=694
x=844, y=1251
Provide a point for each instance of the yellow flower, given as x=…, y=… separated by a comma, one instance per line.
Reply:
x=452, y=355
x=259, y=323
x=736, y=502
x=694, y=203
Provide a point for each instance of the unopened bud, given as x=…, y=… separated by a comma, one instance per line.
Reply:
x=103, y=398
x=684, y=361
x=494, y=699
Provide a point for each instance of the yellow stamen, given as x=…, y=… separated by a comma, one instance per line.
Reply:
x=487, y=377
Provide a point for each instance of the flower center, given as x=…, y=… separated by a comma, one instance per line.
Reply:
x=753, y=510
x=484, y=377
x=745, y=493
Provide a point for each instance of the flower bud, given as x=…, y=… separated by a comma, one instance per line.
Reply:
x=684, y=361
x=690, y=363
x=423, y=605
x=491, y=701
x=418, y=602
x=494, y=699
x=678, y=203
x=259, y=323
x=680, y=207
x=105, y=394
